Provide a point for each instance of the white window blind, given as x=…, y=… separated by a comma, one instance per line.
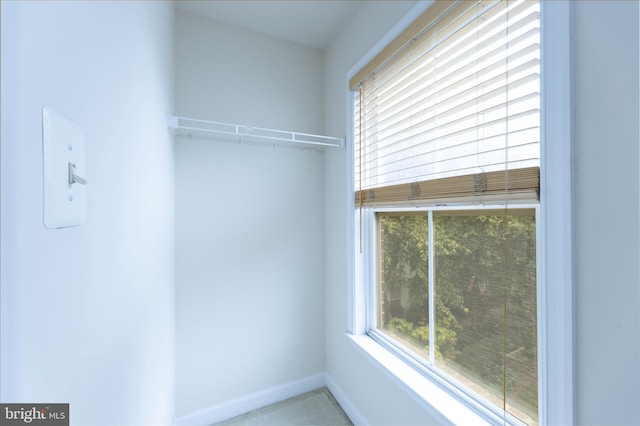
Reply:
x=454, y=111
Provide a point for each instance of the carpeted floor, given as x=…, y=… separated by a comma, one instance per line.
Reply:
x=316, y=408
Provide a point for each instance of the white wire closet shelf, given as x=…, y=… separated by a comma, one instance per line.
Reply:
x=194, y=128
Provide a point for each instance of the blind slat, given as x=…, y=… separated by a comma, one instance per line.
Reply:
x=521, y=183
x=419, y=55
x=429, y=109
x=457, y=136
x=436, y=10
x=455, y=102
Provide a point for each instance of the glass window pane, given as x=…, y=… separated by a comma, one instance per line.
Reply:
x=485, y=274
x=403, y=285
x=484, y=278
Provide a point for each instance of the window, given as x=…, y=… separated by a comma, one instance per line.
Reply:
x=449, y=276
x=446, y=171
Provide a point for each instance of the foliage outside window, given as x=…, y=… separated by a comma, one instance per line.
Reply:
x=473, y=285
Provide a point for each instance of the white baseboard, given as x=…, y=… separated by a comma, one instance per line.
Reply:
x=354, y=414
x=254, y=401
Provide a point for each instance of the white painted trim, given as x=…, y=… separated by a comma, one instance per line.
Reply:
x=253, y=401
x=556, y=324
x=355, y=296
x=442, y=405
x=352, y=412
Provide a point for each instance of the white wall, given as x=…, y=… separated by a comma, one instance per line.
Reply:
x=607, y=251
x=373, y=394
x=87, y=312
x=229, y=74
x=606, y=212
x=249, y=219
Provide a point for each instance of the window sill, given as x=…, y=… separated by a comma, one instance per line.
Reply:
x=444, y=406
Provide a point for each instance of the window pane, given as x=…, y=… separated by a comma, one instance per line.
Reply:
x=403, y=291
x=472, y=276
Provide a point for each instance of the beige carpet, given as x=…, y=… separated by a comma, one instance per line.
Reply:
x=317, y=408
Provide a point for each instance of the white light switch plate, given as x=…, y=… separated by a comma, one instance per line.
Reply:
x=63, y=143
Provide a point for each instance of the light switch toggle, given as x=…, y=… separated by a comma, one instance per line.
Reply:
x=73, y=177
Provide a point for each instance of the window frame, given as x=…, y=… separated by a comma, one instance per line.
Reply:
x=479, y=404
x=556, y=334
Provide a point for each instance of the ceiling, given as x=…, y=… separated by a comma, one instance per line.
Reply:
x=312, y=23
